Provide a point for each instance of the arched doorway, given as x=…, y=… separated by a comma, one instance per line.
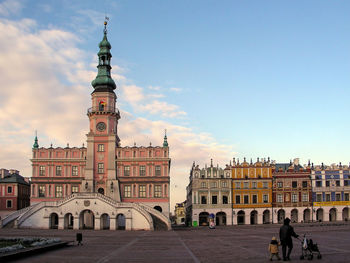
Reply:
x=319, y=215
x=68, y=221
x=253, y=217
x=266, y=217
x=204, y=219
x=333, y=214
x=104, y=221
x=101, y=191
x=240, y=218
x=157, y=207
x=306, y=215
x=281, y=215
x=294, y=216
x=221, y=219
x=345, y=214
x=120, y=222
x=87, y=220
x=53, y=221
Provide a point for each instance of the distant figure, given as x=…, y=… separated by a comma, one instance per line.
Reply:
x=80, y=238
x=273, y=248
x=286, y=233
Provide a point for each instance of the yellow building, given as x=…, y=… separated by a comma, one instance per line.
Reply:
x=252, y=192
x=180, y=213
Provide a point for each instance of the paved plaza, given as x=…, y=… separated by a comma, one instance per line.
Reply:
x=223, y=244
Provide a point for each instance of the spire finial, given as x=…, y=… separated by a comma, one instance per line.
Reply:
x=105, y=23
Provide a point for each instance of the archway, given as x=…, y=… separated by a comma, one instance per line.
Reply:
x=53, y=221
x=253, y=217
x=204, y=219
x=104, y=221
x=221, y=219
x=240, y=218
x=87, y=220
x=333, y=214
x=157, y=207
x=101, y=191
x=281, y=215
x=68, y=221
x=294, y=216
x=345, y=214
x=306, y=215
x=266, y=217
x=319, y=215
x=120, y=222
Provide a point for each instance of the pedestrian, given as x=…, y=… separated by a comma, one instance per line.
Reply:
x=286, y=234
x=273, y=248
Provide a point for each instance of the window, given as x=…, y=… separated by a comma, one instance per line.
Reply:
x=203, y=184
x=337, y=183
x=59, y=191
x=101, y=148
x=246, y=199
x=294, y=184
x=75, y=170
x=327, y=183
x=203, y=199
x=75, y=189
x=150, y=154
x=157, y=191
x=134, y=171
x=265, y=185
x=318, y=183
x=126, y=170
x=100, y=168
x=304, y=184
x=41, y=191
x=305, y=197
x=8, y=203
x=158, y=170
x=279, y=198
x=238, y=199
x=279, y=184
x=319, y=198
x=213, y=184
x=346, y=197
x=150, y=171
x=328, y=197
x=142, y=170
x=9, y=189
x=254, y=185
x=337, y=197
x=134, y=154
x=224, y=184
x=255, y=199
x=42, y=170
x=265, y=198
x=294, y=198
x=224, y=199
x=246, y=184
x=346, y=182
x=238, y=185
x=58, y=170
x=214, y=199
x=127, y=191
x=142, y=191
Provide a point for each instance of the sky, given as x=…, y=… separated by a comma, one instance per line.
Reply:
x=225, y=78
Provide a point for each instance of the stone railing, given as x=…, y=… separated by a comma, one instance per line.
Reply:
x=14, y=215
x=29, y=212
x=158, y=214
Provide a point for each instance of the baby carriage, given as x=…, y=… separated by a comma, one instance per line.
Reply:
x=309, y=249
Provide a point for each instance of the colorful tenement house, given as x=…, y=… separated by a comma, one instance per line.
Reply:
x=180, y=213
x=103, y=185
x=210, y=195
x=14, y=192
x=292, y=192
x=331, y=191
x=252, y=192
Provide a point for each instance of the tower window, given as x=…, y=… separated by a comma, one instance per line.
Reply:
x=101, y=148
x=100, y=168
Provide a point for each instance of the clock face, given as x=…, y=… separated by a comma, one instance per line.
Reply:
x=101, y=126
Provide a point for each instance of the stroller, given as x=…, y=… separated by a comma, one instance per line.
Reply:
x=308, y=249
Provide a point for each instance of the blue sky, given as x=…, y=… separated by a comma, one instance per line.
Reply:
x=226, y=78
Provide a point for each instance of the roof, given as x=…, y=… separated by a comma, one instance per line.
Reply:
x=13, y=178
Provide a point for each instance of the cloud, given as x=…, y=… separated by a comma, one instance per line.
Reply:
x=10, y=7
x=48, y=92
x=176, y=89
x=154, y=87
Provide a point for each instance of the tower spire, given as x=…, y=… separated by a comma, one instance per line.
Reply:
x=36, y=145
x=165, y=143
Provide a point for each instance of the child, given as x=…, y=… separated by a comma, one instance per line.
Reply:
x=273, y=248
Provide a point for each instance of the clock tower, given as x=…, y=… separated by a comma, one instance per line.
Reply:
x=102, y=139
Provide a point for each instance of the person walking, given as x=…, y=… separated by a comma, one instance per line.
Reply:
x=286, y=234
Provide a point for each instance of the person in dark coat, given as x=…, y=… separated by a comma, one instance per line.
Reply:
x=286, y=233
